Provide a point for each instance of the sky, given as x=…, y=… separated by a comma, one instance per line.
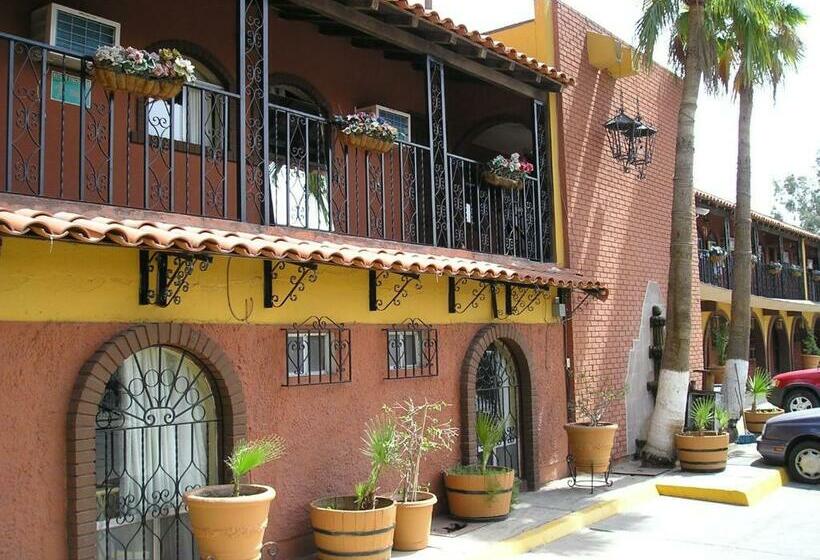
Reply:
x=785, y=131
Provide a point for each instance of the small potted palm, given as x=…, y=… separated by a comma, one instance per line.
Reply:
x=759, y=385
x=811, y=351
x=361, y=525
x=481, y=492
x=720, y=340
x=419, y=431
x=229, y=520
x=591, y=441
x=706, y=447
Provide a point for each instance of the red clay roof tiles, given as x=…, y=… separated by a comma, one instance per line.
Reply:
x=166, y=236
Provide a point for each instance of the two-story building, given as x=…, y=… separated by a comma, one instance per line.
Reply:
x=179, y=275
x=785, y=284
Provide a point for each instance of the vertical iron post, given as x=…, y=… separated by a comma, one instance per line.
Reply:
x=542, y=144
x=439, y=183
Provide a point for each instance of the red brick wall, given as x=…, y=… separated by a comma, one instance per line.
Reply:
x=618, y=225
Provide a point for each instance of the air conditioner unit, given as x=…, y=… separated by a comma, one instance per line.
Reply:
x=398, y=119
x=72, y=30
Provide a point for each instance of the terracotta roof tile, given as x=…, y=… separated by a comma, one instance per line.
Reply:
x=167, y=236
x=484, y=41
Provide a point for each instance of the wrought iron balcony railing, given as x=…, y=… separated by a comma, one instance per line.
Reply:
x=783, y=285
x=65, y=137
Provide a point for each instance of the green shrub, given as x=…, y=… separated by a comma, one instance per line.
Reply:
x=250, y=455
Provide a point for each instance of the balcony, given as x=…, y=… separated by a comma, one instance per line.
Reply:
x=63, y=137
x=781, y=286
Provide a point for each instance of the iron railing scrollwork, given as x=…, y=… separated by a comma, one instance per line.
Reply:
x=302, y=274
x=171, y=273
x=412, y=350
x=317, y=352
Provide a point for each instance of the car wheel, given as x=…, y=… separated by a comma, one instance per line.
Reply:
x=804, y=462
x=800, y=399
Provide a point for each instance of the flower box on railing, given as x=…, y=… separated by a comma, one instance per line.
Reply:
x=795, y=270
x=366, y=131
x=507, y=173
x=815, y=275
x=717, y=254
x=159, y=75
x=774, y=268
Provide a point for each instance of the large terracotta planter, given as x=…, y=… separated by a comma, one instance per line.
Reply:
x=702, y=452
x=810, y=361
x=591, y=446
x=228, y=527
x=341, y=531
x=413, y=522
x=756, y=420
x=480, y=497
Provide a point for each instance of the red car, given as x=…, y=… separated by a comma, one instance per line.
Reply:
x=796, y=390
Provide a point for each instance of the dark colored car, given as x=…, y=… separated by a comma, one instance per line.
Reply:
x=794, y=439
x=796, y=390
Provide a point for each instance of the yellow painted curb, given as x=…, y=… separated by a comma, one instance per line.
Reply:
x=747, y=496
x=618, y=501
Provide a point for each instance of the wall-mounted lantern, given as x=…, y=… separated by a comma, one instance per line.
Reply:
x=631, y=141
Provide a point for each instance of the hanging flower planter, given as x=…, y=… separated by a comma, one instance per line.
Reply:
x=717, y=254
x=366, y=131
x=507, y=173
x=815, y=274
x=159, y=75
x=796, y=270
x=774, y=268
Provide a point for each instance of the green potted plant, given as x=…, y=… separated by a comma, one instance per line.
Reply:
x=591, y=441
x=811, y=351
x=418, y=432
x=229, y=520
x=366, y=131
x=774, y=268
x=481, y=492
x=720, y=340
x=759, y=385
x=159, y=75
x=360, y=525
x=706, y=447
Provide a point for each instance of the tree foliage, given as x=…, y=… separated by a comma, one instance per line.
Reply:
x=799, y=197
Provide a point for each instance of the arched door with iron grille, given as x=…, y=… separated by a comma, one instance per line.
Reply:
x=498, y=394
x=157, y=436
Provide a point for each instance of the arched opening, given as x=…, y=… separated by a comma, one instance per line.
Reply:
x=780, y=353
x=798, y=334
x=715, y=325
x=496, y=380
x=157, y=436
x=498, y=135
x=757, y=346
x=153, y=414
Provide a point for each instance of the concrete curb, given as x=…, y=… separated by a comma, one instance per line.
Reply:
x=625, y=499
x=616, y=502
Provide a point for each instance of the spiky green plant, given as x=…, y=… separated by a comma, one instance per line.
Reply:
x=720, y=339
x=721, y=419
x=250, y=455
x=703, y=413
x=380, y=447
x=489, y=431
x=759, y=385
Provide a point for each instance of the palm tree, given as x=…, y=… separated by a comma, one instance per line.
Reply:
x=759, y=42
x=670, y=403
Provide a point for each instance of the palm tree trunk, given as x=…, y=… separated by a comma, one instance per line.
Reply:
x=670, y=402
x=737, y=366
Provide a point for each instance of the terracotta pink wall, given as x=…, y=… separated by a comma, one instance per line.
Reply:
x=322, y=425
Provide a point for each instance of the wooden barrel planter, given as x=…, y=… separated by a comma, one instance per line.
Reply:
x=591, y=446
x=367, y=143
x=480, y=497
x=756, y=420
x=702, y=452
x=138, y=85
x=342, y=531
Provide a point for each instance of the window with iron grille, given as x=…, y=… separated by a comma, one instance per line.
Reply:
x=317, y=352
x=412, y=350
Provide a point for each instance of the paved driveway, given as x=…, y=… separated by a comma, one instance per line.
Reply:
x=785, y=524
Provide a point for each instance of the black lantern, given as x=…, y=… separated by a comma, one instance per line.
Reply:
x=619, y=132
x=643, y=145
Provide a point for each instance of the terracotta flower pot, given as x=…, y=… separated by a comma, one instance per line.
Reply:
x=756, y=420
x=228, y=527
x=342, y=531
x=719, y=374
x=702, y=452
x=591, y=446
x=413, y=522
x=480, y=497
x=810, y=361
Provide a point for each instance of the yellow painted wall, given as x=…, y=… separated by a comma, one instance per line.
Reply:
x=537, y=39
x=61, y=281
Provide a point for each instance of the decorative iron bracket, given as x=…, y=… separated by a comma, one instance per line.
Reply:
x=522, y=298
x=399, y=289
x=171, y=277
x=477, y=295
x=304, y=273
